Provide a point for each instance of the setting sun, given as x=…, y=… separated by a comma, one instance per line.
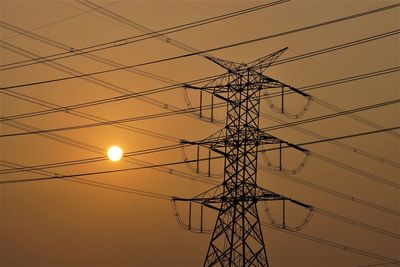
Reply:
x=114, y=153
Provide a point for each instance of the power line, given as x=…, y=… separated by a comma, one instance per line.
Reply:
x=337, y=143
x=150, y=133
x=330, y=191
x=129, y=40
x=356, y=223
x=59, y=21
x=121, y=188
x=100, y=172
x=90, y=160
x=354, y=116
x=337, y=47
x=80, y=145
x=168, y=197
x=183, y=175
x=70, y=108
x=170, y=163
x=195, y=109
x=108, y=61
x=204, y=51
x=332, y=115
x=334, y=244
x=179, y=85
x=160, y=196
x=380, y=264
x=354, y=135
x=97, y=150
x=87, y=116
x=110, y=86
x=15, y=166
x=68, y=70
x=166, y=148
x=356, y=170
x=46, y=40
x=163, y=196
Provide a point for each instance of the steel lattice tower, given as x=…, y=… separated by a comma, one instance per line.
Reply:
x=237, y=239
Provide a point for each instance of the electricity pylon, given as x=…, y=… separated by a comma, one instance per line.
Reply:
x=237, y=238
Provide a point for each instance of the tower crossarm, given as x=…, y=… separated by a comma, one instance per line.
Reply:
x=269, y=82
x=213, y=198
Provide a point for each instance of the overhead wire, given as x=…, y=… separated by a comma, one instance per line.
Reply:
x=116, y=64
x=380, y=264
x=179, y=162
x=337, y=47
x=97, y=150
x=148, y=35
x=325, y=84
x=85, y=115
x=332, y=192
x=161, y=196
x=179, y=85
x=347, y=79
x=90, y=160
x=369, y=12
x=60, y=20
x=348, y=167
x=367, y=121
x=15, y=166
x=167, y=164
x=333, y=244
x=124, y=189
x=355, y=170
x=97, y=183
x=342, y=145
x=345, y=248
x=355, y=116
x=355, y=223
x=332, y=115
x=167, y=148
x=195, y=109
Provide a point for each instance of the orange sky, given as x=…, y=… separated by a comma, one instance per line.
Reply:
x=64, y=223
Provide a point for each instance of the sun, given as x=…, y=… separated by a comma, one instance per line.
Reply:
x=115, y=153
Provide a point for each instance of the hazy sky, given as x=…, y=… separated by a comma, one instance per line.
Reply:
x=64, y=223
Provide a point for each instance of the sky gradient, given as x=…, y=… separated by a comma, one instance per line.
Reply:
x=108, y=219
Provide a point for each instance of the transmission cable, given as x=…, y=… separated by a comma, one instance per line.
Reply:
x=191, y=110
x=169, y=197
x=204, y=51
x=337, y=47
x=342, y=145
x=354, y=116
x=179, y=85
x=129, y=40
x=170, y=163
x=333, y=244
x=97, y=150
x=163, y=149
x=330, y=191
